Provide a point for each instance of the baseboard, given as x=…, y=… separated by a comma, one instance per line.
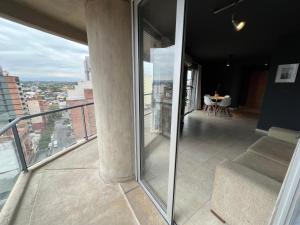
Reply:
x=261, y=131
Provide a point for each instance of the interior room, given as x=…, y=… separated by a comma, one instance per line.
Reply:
x=239, y=107
x=243, y=65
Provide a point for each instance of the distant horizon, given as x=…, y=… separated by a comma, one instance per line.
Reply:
x=48, y=79
x=56, y=81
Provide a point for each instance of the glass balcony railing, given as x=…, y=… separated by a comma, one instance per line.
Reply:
x=9, y=165
x=30, y=139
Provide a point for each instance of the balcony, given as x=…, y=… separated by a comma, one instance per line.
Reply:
x=68, y=190
x=61, y=184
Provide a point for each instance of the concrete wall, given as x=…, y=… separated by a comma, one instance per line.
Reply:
x=109, y=40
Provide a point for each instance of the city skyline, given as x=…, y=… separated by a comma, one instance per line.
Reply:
x=35, y=55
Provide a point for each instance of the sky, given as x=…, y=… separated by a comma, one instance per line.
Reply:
x=35, y=55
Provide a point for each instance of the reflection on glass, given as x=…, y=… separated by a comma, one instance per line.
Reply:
x=296, y=215
x=9, y=165
x=157, y=63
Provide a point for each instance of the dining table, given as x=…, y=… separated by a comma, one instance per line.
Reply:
x=216, y=98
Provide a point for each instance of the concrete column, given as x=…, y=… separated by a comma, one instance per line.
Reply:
x=109, y=40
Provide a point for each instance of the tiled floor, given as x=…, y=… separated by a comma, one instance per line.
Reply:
x=69, y=191
x=143, y=208
x=205, y=142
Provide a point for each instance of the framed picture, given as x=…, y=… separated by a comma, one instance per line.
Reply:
x=286, y=73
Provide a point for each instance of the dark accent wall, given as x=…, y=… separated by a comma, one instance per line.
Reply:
x=228, y=80
x=281, y=106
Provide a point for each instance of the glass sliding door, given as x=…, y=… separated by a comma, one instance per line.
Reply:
x=158, y=43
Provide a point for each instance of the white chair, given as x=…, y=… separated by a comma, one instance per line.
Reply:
x=209, y=105
x=223, y=106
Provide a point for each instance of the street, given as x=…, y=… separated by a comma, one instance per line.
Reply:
x=62, y=138
x=63, y=135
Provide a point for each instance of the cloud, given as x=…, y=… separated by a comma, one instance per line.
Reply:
x=35, y=55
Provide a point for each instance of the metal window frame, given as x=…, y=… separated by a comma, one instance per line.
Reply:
x=175, y=120
x=289, y=193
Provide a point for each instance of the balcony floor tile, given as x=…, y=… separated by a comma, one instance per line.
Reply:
x=69, y=191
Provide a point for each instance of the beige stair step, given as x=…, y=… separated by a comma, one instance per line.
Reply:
x=142, y=207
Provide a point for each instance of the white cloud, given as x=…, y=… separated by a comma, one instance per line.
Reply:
x=32, y=54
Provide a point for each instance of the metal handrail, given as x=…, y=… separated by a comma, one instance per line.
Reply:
x=13, y=125
x=15, y=121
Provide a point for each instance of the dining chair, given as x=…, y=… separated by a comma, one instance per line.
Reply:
x=209, y=105
x=223, y=106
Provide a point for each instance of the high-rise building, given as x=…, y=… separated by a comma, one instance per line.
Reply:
x=13, y=105
x=12, y=101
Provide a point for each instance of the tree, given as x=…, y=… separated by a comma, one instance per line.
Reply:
x=51, y=118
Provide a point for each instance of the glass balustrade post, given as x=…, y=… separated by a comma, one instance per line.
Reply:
x=84, y=123
x=19, y=148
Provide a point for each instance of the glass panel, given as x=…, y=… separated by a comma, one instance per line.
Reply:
x=9, y=165
x=89, y=112
x=157, y=22
x=296, y=214
x=44, y=136
x=296, y=217
x=76, y=124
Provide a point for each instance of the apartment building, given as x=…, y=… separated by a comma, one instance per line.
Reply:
x=34, y=107
x=12, y=101
x=12, y=105
x=82, y=94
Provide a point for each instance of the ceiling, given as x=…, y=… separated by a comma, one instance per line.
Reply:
x=212, y=37
x=69, y=11
x=65, y=18
x=161, y=15
x=208, y=36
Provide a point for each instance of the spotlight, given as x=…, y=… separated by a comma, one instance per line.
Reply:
x=229, y=60
x=238, y=25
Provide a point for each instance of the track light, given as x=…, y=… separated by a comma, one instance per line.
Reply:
x=238, y=25
x=228, y=63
